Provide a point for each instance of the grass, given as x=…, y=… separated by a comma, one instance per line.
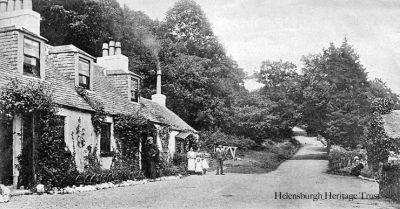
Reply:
x=260, y=161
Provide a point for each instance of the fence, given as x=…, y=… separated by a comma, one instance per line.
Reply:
x=389, y=184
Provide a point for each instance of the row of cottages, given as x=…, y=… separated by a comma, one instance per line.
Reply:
x=25, y=55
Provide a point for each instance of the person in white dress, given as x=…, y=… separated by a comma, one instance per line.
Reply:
x=204, y=163
x=191, y=156
x=199, y=164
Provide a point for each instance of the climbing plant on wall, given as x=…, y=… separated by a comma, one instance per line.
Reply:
x=163, y=132
x=99, y=113
x=52, y=163
x=378, y=143
x=130, y=131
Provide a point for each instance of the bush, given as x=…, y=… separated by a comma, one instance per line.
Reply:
x=341, y=160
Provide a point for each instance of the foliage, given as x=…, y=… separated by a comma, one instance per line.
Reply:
x=163, y=132
x=130, y=130
x=209, y=139
x=99, y=113
x=92, y=163
x=167, y=168
x=380, y=92
x=341, y=160
x=270, y=112
x=125, y=168
x=378, y=144
x=53, y=162
x=335, y=95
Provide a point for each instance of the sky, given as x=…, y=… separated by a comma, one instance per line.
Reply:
x=257, y=30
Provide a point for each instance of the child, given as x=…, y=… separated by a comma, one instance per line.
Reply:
x=204, y=164
x=199, y=166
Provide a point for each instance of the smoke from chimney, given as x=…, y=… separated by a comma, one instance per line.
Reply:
x=153, y=45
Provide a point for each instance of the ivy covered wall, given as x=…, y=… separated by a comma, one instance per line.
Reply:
x=80, y=134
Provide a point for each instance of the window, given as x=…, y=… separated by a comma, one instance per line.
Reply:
x=84, y=73
x=134, y=90
x=105, y=139
x=31, y=58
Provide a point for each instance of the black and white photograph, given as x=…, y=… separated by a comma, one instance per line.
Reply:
x=199, y=104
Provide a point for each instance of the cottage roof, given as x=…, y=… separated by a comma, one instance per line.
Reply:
x=392, y=124
x=67, y=48
x=64, y=92
x=161, y=114
x=106, y=93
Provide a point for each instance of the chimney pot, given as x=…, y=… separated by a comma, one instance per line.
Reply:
x=111, y=51
x=105, y=49
x=117, y=48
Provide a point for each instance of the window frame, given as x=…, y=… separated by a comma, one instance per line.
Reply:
x=134, y=94
x=37, y=59
x=106, y=151
x=86, y=61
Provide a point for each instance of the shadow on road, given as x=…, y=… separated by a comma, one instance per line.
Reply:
x=322, y=156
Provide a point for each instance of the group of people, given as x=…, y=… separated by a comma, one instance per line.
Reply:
x=197, y=161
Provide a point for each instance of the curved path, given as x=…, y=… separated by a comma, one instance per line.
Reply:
x=303, y=174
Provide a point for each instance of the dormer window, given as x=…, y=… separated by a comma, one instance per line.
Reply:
x=134, y=90
x=31, y=58
x=84, y=73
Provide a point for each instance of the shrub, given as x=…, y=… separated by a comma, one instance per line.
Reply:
x=340, y=160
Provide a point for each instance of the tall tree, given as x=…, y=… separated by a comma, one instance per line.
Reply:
x=335, y=92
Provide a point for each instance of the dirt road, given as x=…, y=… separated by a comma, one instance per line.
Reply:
x=298, y=178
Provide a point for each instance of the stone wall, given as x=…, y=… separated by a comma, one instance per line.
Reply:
x=65, y=64
x=9, y=47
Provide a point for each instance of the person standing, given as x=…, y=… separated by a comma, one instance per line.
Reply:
x=199, y=164
x=191, y=156
x=219, y=155
x=151, y=156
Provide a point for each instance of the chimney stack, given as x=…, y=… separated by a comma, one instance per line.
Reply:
x=158, y=97
x=117, y=48
x=111, y=50
x=105, y=49
x=19, y=13
x=112, y=58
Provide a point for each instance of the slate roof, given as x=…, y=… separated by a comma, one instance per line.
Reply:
x=106, y=93
x=161, y=114
x=64, y=92
x=392, y=124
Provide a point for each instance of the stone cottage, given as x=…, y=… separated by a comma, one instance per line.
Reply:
x=25, y=55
